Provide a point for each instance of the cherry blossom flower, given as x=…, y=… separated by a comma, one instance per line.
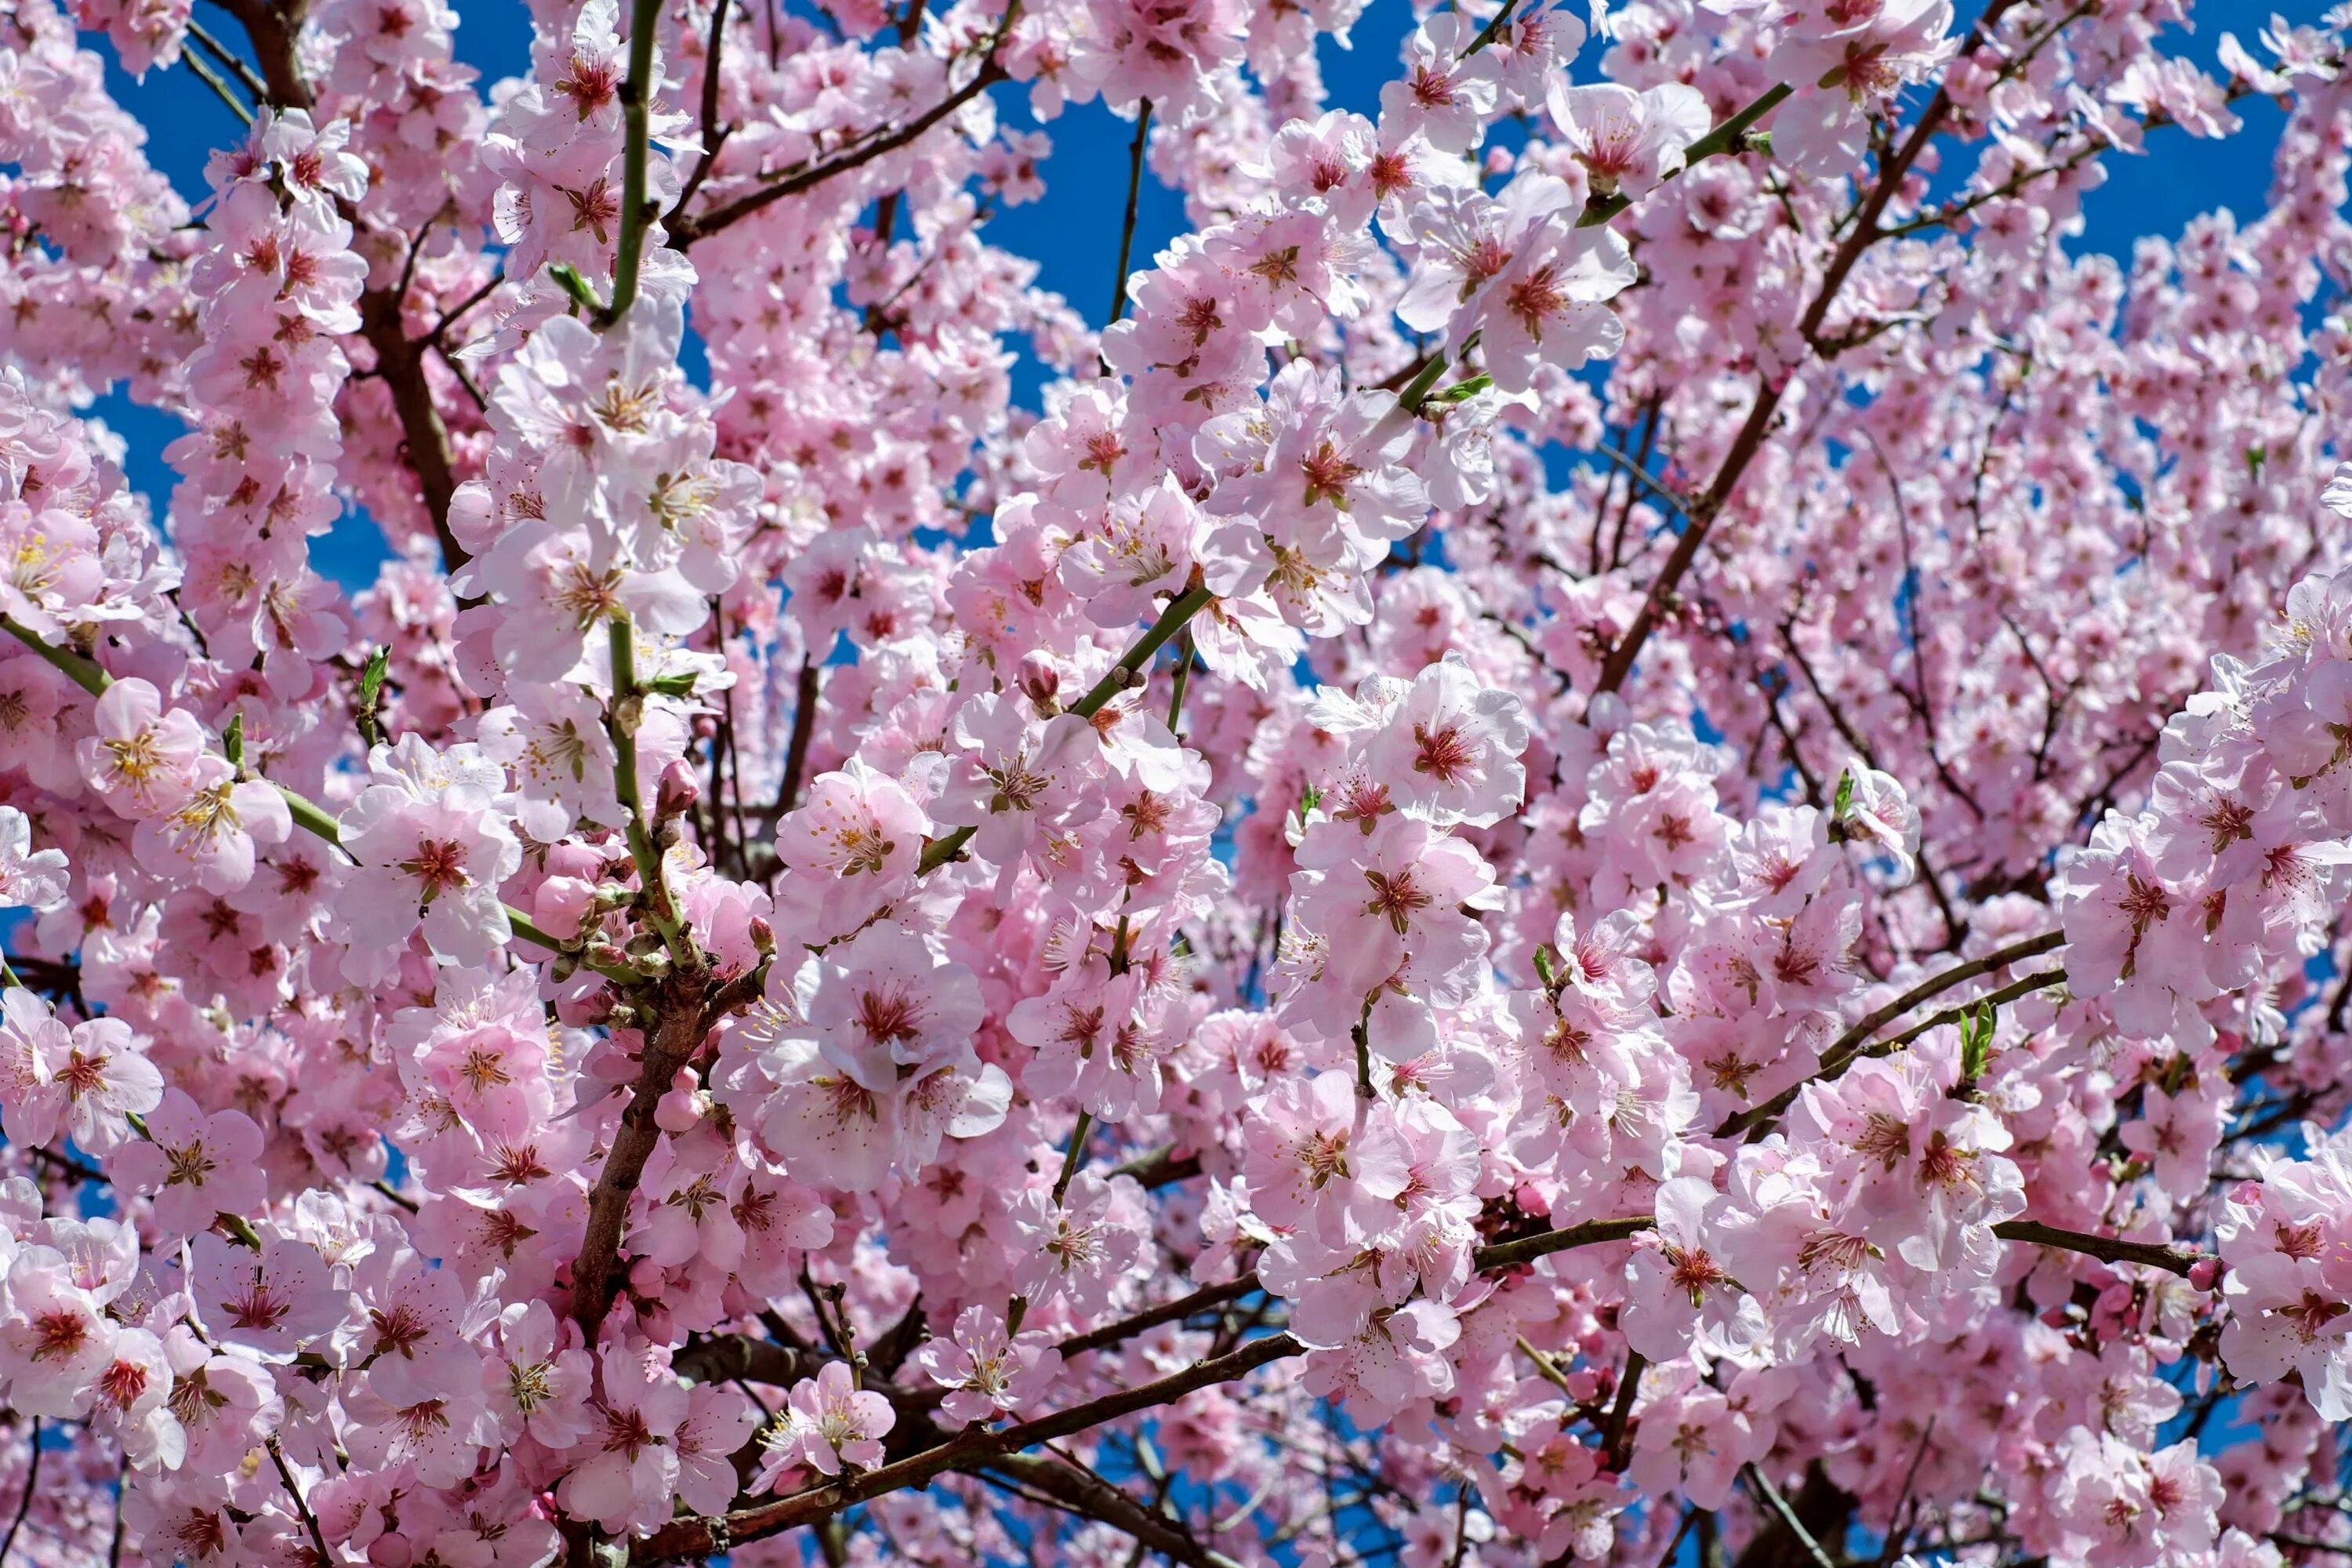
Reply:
x=830, y=1424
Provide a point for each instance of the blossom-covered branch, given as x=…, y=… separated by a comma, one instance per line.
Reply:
x=1619, y=832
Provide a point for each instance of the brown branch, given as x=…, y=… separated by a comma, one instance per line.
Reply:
x=1160, y=1167
x=724, y=1358
x=1091, y=1496
x=301, y=1504
x=32, y=1484
x=692, y=226
x=1174, y=1311
x=805, y=706
x=1613, y=1436
x=400, y=359
x=714, y=135
x=273, y=29
x=705, y=1537
x=680, y=1023
x=1848, y=1045
x=1527, y=1249
x=2106, y=1249
x=1750, y=438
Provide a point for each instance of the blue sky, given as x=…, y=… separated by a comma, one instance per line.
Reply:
x=1072, y=232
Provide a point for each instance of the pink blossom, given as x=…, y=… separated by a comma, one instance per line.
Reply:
x=987, y=1372
x=830, y=1424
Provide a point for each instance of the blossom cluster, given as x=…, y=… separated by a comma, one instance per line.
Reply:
x=1617, y=835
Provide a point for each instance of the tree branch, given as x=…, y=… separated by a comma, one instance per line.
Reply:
x=1134, y=202
x=704, y=1537
x=670, y=1042
x=1750, y=438
x=636, y=213
x=1092, y=1496
x=400, y=359
x=694, y=227
x=1848, y=1045
x=695, y=1538
x=1174, y=1311
x=2106, y=1249
x=1527, y=1249
x=1122, y=676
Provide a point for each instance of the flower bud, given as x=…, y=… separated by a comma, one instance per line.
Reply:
x=681, y=1107
x=678, y=791
x=1039, y=680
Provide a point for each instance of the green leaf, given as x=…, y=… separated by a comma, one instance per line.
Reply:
x=371, y=695
x=1844, y=802
x=567, y=277
x=1975, y=1040
x=233, y=741
x=673, y=685
x=1464, y=390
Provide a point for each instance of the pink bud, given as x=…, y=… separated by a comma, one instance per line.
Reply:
x=560, y=902
x=574, y=858
x=679, y=790
x=680, y=1107
x=2205, y=1273
x=1038, y=679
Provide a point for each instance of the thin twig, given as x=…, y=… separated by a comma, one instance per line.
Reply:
x=693, y=226
x=229, y=57
x=1763, y=1483
x=1134, y=202
x=1846, y=1046
x=211, y=78
x=24, y=1503
x=636, y=212
x=1613, y=1436
x=2106, y=1249
x=302, y=1503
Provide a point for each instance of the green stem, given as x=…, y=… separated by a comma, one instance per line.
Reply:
x=1487, y=34
x=533, y=931
x=1724, y=138
x=1071, y=1158
x=211, y=78
x=621, y=723
x=636, y=213
x=1416, y=391
x=1183, y=673
x=84, y=673
x=1180, y=609
x=311, y=816
x=1796, y=1526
